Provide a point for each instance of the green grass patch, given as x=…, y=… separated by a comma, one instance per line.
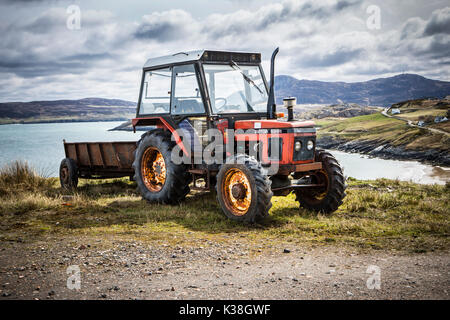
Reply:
x=380, y=214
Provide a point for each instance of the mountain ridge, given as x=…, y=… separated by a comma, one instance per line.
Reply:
x=86, y=109
x=377, y=92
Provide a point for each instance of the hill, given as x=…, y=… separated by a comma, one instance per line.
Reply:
x=376, y=92
x=88, y=109
x=394, y=137
x=426, y=113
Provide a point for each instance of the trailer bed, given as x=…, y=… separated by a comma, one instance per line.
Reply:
x=102, y=159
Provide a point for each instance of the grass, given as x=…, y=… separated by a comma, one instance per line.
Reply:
x=380, y=214
x=416, y=115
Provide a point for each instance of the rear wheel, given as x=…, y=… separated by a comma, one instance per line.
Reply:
x=68, y=174
x=243, y=190
x=158, y=178
x=328, y=198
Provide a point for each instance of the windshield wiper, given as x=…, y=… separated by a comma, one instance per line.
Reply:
x=247, y=78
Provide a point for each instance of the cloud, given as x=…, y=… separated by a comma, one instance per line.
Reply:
x=321, y=40
x=279, y=13
x=336, y=58
x=164, y=26
x=439, y=22
x=424, y=39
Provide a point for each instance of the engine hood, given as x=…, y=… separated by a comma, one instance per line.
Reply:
x=272, y=124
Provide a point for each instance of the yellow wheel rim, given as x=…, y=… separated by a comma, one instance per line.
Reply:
x=237, y=192
x=153, y=168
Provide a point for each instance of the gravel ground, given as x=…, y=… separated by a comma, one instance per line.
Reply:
x=129, y=269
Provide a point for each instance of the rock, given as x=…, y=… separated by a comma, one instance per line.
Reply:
x=82, y=247
x=51, y=293
x=172, y=289
x=286, y=251
x=349, y=293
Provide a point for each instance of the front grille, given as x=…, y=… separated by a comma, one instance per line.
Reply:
x=303, y=153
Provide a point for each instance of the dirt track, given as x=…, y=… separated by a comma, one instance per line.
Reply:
x=114, y=269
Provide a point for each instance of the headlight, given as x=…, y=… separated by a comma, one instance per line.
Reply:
x=310, y=145
x=297, y=145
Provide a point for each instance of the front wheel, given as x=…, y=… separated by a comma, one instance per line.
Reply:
x=328, y=197
x=243, y=190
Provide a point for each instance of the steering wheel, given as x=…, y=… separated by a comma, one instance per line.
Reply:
x=224, y=103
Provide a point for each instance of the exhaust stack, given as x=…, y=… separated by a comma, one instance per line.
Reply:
x=271, y=106
x=290, y=103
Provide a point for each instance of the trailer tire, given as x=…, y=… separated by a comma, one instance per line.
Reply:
x=68, y=174
x=329, y=199
x=235, y=205
x=170, y=184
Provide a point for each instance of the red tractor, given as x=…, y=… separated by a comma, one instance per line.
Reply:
x=189, y=97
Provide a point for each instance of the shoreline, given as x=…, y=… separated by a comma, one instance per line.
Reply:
x=385, y=151
x=65, y=121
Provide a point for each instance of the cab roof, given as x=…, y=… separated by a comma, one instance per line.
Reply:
x=204, y=55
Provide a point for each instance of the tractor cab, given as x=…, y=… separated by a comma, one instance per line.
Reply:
x=209, y=83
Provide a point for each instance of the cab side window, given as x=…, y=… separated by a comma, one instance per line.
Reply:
x=186, y=98
x=156, y=92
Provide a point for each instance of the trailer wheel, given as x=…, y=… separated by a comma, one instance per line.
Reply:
x=157, y=177
x=243, y=190
x=68, y=174
x=328, y=198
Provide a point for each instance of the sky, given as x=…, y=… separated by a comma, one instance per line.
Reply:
x=58, y=49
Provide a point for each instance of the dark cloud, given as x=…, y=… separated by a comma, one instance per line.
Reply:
x=158, y=31
x=287, y=11
x=26, y=69
x=439, y=47
x=164, y=26
x=336, y=58
x=439, y=23
x=47, y=23
x=84, y=57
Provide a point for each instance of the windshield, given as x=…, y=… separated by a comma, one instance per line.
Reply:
x=235, y=89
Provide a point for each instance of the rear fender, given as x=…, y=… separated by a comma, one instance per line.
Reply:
x=160, y=122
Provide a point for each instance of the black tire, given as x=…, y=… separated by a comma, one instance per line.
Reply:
x=68, y=174
x=328, y=199
x=259, y=183
x=177, y=179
